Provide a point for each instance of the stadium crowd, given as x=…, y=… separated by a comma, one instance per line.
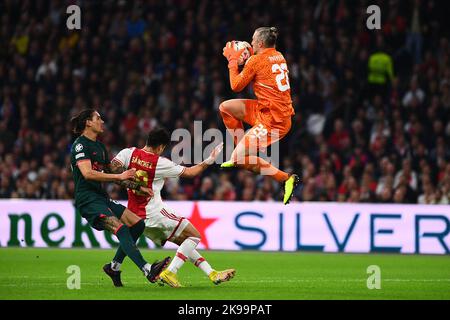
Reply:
x=360, y=133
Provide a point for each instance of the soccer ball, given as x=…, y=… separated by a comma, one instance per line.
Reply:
x=238, y=45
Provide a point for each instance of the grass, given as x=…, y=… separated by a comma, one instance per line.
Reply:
x=30, y=273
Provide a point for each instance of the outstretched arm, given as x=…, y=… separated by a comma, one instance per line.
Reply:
x=191, y=172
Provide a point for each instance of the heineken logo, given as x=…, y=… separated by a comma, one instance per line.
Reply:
x=322, y=227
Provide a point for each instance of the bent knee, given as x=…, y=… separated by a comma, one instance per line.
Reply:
x=223, y=107
x=193, y=232
x=233, y=107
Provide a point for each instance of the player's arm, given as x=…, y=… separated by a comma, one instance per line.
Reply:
x=116, y=167
x=238, y=80
x=88, y=173
x=191, y=172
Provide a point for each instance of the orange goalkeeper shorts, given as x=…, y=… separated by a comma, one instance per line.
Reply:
x=265, y=130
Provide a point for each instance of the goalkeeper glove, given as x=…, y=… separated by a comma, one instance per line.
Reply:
x=231, y=54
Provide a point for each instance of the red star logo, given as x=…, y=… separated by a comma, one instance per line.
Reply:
x=201, y=224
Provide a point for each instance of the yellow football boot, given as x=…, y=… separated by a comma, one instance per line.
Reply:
x=170, y=278
x=228, y=165
x=289, y=186
x=222, y=276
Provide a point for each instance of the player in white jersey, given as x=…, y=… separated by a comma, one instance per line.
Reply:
x=162, y=224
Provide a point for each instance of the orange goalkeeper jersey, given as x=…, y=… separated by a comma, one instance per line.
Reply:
x=269, y=73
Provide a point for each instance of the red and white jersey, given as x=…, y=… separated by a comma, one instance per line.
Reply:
x=151, y=170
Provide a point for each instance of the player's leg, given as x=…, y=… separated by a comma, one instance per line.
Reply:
x=188, y=241
x=136, y=226
x=199, y=261
x=259, y=137
x=162, y=225
x=236, y=111
x=245, y=110
x=122, y=232
x=258, y=165
x=233, y=113
x=275, y=133
x=112, y=223
x=216, y=276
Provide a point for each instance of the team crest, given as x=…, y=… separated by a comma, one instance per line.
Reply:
x=78, y=147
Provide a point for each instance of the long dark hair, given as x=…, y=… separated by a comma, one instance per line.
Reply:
x=78, y=121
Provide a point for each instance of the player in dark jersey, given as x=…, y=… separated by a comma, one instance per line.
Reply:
x=89, y=159
x=162, y=223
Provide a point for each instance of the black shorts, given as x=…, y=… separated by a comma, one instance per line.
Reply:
x=96, y=210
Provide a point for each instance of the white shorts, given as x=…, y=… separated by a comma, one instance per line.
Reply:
x=164, y=225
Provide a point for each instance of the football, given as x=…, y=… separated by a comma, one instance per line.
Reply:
x=238, y=45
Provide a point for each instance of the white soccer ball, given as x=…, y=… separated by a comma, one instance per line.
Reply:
x=238, y=45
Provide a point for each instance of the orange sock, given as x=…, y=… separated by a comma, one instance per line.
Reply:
x=258, y=165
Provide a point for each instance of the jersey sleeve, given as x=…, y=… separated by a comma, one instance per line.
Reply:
x=168, y=169
x=80, y=152
x=124, y=157
x=239, y=80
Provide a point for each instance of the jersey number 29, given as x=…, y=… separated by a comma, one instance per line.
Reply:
x=282, y=74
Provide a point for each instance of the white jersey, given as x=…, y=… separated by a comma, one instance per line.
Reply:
x=151, y=170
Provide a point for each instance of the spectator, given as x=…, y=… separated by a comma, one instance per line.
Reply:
x=340, y=138
x=407, y=174
x=206, y=191
x=414, y=96
x=428, y=196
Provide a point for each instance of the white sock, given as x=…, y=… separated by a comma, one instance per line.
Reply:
x=146, y=269
x=200, y=262
x=184, y=250
x=115, y=266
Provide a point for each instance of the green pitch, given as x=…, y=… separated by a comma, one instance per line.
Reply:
x=41, y=274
